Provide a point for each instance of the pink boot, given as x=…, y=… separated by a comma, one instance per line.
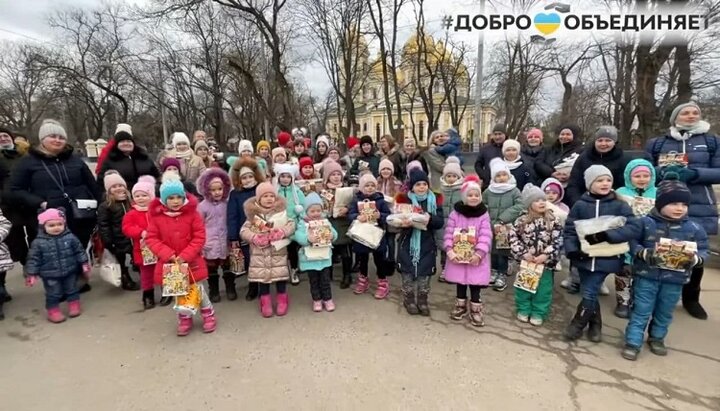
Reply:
x=209, y=320
x=317, y=306
x=74, y=308
x=266, y=306
x=329, y=305
x=362, y=284
x=283, y=302
x=54, y=315
x=185, y=324
x=383, y=289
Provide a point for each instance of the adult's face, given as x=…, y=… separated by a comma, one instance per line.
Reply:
x=126, y=146
x=604, y=145
x=366, y=148
x=565, y=136
x=534, y=140
x=409, y=146
x=54, y=143
x=499, y=137
x=199, y=135
x=384, y=145
x=688, y=116
x=6, y=141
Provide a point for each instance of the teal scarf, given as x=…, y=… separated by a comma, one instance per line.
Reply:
x=417, y=234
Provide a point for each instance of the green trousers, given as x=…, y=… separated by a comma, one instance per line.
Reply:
x=536, y=305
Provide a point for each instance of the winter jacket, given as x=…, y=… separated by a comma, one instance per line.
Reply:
x=559, y=202
x=416, y=156
x=8, y=160
x=180, y=234
x=436, y=164
x=699, y=149
x=236, y=211
x=451, y=148
x=590, y=206
x=371, y=159
x=428, y=246
x=461, y=217
x=383, y=209
x=267, y=265
x=31, y=184
x=535, y=237
x=482, y=164
x=629, y=190
x=6, y=261
x=451, y=195
x=56, y=256
x=133, y=225
x=503, y=208
x=289, y=193
x=655, y=226
x=130, y=167
x=389, y=188
x=301, y=237
x=530, y=155
x=523, y=174
x=551, y=156
x=9, y=205
x=615, y=160
x=190, y=167
x=214, y=215
x=110, y=218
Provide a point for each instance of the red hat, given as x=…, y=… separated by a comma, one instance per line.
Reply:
x=352, y=141
x=305, y=161
x=283, y=138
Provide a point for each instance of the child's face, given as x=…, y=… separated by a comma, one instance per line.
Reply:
x=640, y=179
x=264, y=152
x=321, y=148
x=141, y=198
x=55, y=227
x=386, y=173
x=539, y=206
x=369, y=188
x=366, y=148
x=201, y=152
x=246, y=153
x=267, y=200
x=601, y=186
x=118, y=192
x=441, y=139
x=675, y=211
x=354, y=152
x=473, y=198
x=216, y=191
x=308, y=170
x=335, y=178
x=502, y=177
x=173, y=169
x=299, y=149
x=174, y=202
x=451, y=178
x=314, y=212
x=279, y=158
x=420, y=188
x=247, y=180
x=285, y=179
x=551, y=196
x=511, y=154
x=333, y=154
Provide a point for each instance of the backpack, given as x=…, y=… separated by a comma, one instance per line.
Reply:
x=710, y=142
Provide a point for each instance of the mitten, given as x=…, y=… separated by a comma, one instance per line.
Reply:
x=647, y=255
x=688, y=174
x=673, y=171
x=30, y=280
x=577, y=256
x=596, y=238
x=277, y=234
x=261, y=240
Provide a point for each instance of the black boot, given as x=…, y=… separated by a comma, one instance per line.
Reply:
x=165, y=301
x=214, y=283
x=6, y=297
x=148, y=298
x=230, y=291
x=578, y=323
x=252, y=292
x=594, y=333
x=347, y=276
x=691, y=295
x=409, y=303
x=422, y=304
x=127, y=283
x=356, y=267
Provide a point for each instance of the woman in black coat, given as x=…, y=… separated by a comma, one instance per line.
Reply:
x=568, y=143
x=129, y=160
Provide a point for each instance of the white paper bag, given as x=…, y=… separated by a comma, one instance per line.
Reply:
x=597, y=225
x=343, y=198
x=110, y=269
x=367, y=234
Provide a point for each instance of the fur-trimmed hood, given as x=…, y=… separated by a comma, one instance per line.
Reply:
x=252, y=208
x=402, y=198
x=250, y=163
x=190, y=206
x=203, y=182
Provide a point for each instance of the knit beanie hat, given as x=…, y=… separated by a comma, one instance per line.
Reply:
x=123, y=136
x=179, y=137
x=169, y=162
x=264, y=188
x=678, y=109
x=417, y=176
x=671, y=190
x=145, y=184
x=530, y=194
x=312, y=199
x=351, y=142
x=640, y=169
x=606, y=132
x=365, y=179
x=278, y=151
x=245, y=145
x=329, y=167
x=510, y=143
x=199, y=144
x=497, y=165
x=385, y=163
x=305, y=161
x=49, y=127
x=123, y=127
x=171, y=187
x=366, y=140
x=322, y=139
x=452, y=166
x=499, y=127
x=413, y=165
x=535, y=132
x=594, y=172
x=283, y=138
x=553, y=186
x=113, y=178
x=51, y=214
x=470, y=183
x=286, y=168
x=261, y=144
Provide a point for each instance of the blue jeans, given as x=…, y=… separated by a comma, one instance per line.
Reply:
x=651, y=299
x=590, y=283
x=499, y=263
x=57, y=287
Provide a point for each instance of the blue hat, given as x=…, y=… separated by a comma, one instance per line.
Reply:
x=312, y=199
x=170, y=188
x=416, y=176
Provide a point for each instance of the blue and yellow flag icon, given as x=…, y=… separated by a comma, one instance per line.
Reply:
x=547, y=23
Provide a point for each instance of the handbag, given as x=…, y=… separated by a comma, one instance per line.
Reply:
x=110, y=269
x=366, y=234
x=81, y=209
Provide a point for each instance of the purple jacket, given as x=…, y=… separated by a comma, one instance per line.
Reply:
x=215, y=217
x=465, y=273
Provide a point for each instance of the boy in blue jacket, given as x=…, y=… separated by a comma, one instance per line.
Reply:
x=657, y=290
x=599, y=200
x=310, y=262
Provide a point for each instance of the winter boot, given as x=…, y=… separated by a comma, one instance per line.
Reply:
x=266, y=308
x=214, y=285
x=230, y=292
x=422, y=303
x=594, y=332
x=329, y=305
x=409, y=303
x=500, y=282
x=74, y=309
x=383, y=289
x=54, y=315
x=460, y=309
x=622, y=310
x=362, y=284
x=493, y=276
x=127, y=283
x=283, y=303
x=578, y=323
x=185, y=324
x=294, y=277
x=657, y=347
x=317, y=306
x=347, y=276
x=630, y=353
x=252, y=292
x=209, y=320
x=477, y=315
x=691, y=295
x=5, y=297
x=148, y=298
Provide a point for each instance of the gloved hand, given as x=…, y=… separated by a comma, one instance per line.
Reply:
x=687, y=174
x=86, y=269
x=673, y=170
x=577, y=256
x=697, y=261
x=277, y=234
x=261, y=240
x=596, y=238
x=30, y=280
x=647, y=255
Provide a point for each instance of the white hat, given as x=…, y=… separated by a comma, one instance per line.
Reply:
x=322, y=139
x=50, y=127
x=245, y=145
x=124, y=127
x=179, y=137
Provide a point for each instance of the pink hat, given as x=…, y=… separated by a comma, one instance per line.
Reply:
x=535, y=132
x=412, y=165
x=470, y=183
x=277, y=151
x=385, y=163
x=365, y=179
x=51, y=214
x=145, y=184
x=113, y=178
x=640, y=169
x=330, y=166
x=264, y=188
x=555, y=187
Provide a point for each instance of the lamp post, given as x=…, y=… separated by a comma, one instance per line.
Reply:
x=477, y=124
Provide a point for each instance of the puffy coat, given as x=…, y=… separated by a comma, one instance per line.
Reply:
x=530, y=155
x=301, y=237
x=236, y=212
x=190, y=167
x=6, y=261
x=267, y=265
x=703, y=204
x=110, y=218
x=615, y=160
x=653, y=227
x=589, y=206
x=464, y=216
x=10, y=206
x=55, y=256
x=436, y=164
x=551, y=156
x=504, y=208
x=535, y=237
x=130, y=167
x=133, y=225
x=371, y=159
x=452, y=147
x=451, y=195
x=523, y=174
x=214, y=214
x=181, y=235
x=428, y=246
x=384, y=211
x=482, y=164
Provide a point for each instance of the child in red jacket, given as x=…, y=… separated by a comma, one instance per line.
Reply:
x=176, y=234
x=134, y=226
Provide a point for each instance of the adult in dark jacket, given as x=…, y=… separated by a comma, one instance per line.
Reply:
x=699, y=168
x=568, y=145
x=389, y=149
x=367, y=158
x=532, y=148
x=129, y=160
x=490, y=150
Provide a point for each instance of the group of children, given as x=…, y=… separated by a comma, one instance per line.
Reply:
x=275, y=226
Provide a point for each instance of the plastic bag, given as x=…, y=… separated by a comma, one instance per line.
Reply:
x=343, y=198
x=367, y=234
x=190, y=303
x=528, y=276
x=597, y=225
x=110, y=269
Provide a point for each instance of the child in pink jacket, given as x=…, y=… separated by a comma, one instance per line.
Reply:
x=475, y=274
